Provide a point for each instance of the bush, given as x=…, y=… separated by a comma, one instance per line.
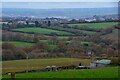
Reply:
x=115, y=60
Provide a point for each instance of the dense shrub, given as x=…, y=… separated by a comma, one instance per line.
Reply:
x=115, y=60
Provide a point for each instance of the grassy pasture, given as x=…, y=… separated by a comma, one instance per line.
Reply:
x=106, y=72
x=43, y=31
x=87, y=32
x=49, y=31
x=20, y=44
x=21, y=65
x=63, y=37
x=45, y=41
x=96, y=25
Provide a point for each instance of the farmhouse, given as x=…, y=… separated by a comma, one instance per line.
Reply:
x=22, y=22
x=90, y=20
x=100, y=63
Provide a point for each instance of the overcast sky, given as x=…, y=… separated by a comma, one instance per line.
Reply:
x=47, y=5
x=59, y=0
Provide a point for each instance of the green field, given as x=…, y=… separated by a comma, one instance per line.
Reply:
x=63, y=37
x=22, y=44
x=46, y=31
x=43, y=31
x=106, y=72
x=96, y=25
x=87, y=32
x=45, y=41
x=17, y=43
x=33, y=64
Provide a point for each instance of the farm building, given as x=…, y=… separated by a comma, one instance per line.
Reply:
x=82, y=67
x=90, y=20
x=51, y=68
x=100, y=63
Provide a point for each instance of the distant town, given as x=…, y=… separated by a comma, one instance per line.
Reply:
x=95, y=18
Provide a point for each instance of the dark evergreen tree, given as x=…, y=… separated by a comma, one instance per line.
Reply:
x=49, y=23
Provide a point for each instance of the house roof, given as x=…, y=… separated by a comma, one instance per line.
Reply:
x=103, y=61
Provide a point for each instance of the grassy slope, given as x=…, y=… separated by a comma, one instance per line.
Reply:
x=21, y=44
x=21, y=65
x=17, y=43
x=63, y=37
x=112, y=36
x=106, y=72
x=97, y=25
x=48, y=31
x=43, y=31
x=87, y=32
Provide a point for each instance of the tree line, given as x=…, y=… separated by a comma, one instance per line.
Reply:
x=62, y=49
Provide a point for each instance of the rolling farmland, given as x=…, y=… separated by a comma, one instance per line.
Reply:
x=33, y=64
x=59, y=40
x=96, y=25
x=43, y=31
x=46, y=31
x=105, y=72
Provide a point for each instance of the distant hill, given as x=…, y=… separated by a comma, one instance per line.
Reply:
x=64, y=12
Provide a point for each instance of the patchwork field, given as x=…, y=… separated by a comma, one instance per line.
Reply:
x=32, y=64
x=61, y=37
x=87, y=32
x=46, y=31
x=21, y=44
x=96, y=25
x=43, y=31
x=106, y=72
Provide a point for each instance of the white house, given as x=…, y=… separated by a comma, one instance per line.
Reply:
x=90, y=20
x=100, y=63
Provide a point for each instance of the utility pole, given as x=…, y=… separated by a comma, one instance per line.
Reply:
x=107, y=53
x=27, y=63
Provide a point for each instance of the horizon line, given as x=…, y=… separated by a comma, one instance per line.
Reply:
x=61, y=8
